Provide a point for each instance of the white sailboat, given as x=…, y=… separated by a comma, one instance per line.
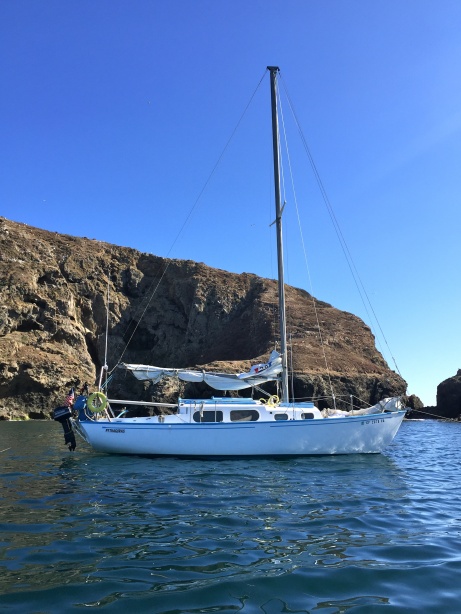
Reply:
x=226, y=426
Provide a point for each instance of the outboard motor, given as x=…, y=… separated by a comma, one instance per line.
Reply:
x=63, y=415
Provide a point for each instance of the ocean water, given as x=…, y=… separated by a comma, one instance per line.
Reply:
x=371, y=533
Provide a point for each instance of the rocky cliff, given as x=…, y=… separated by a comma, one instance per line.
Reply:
x=55, y=290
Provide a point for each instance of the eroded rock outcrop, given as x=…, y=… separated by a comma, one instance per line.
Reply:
x=449, y=397
x=54, y=292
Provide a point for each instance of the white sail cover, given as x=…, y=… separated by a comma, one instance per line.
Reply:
x=258, y=374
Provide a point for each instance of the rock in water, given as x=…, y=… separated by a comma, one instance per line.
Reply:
x=449, y=397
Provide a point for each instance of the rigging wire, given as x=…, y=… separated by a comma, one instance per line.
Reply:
x=314, y=302
x=189, y=215
x=106, y=341
x=285, y=255
x=350, y=261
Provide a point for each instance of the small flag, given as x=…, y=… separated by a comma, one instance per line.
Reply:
x=70, y=398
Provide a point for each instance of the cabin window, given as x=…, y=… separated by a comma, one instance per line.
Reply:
x=280, y=416
x=308, y=416
x=244, y=415
x=208, y=416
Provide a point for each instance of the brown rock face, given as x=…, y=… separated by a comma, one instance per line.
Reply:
x=54, y=293
x=449, y=397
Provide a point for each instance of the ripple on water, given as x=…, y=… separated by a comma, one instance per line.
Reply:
x=340, y=534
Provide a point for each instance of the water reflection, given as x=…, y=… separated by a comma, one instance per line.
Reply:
x=286, y=535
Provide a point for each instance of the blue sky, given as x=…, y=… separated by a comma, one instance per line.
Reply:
x=113, y=114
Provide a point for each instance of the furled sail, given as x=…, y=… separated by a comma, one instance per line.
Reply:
x=258, y=374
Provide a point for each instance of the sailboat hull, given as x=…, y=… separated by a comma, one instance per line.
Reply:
x=349, y=435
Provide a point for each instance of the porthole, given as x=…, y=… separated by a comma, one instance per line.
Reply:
x=244, y=415
x=208, y=416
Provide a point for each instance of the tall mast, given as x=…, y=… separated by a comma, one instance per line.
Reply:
x=274, y=70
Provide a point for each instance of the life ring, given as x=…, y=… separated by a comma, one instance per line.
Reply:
x=273, y=400
x=97, y=402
